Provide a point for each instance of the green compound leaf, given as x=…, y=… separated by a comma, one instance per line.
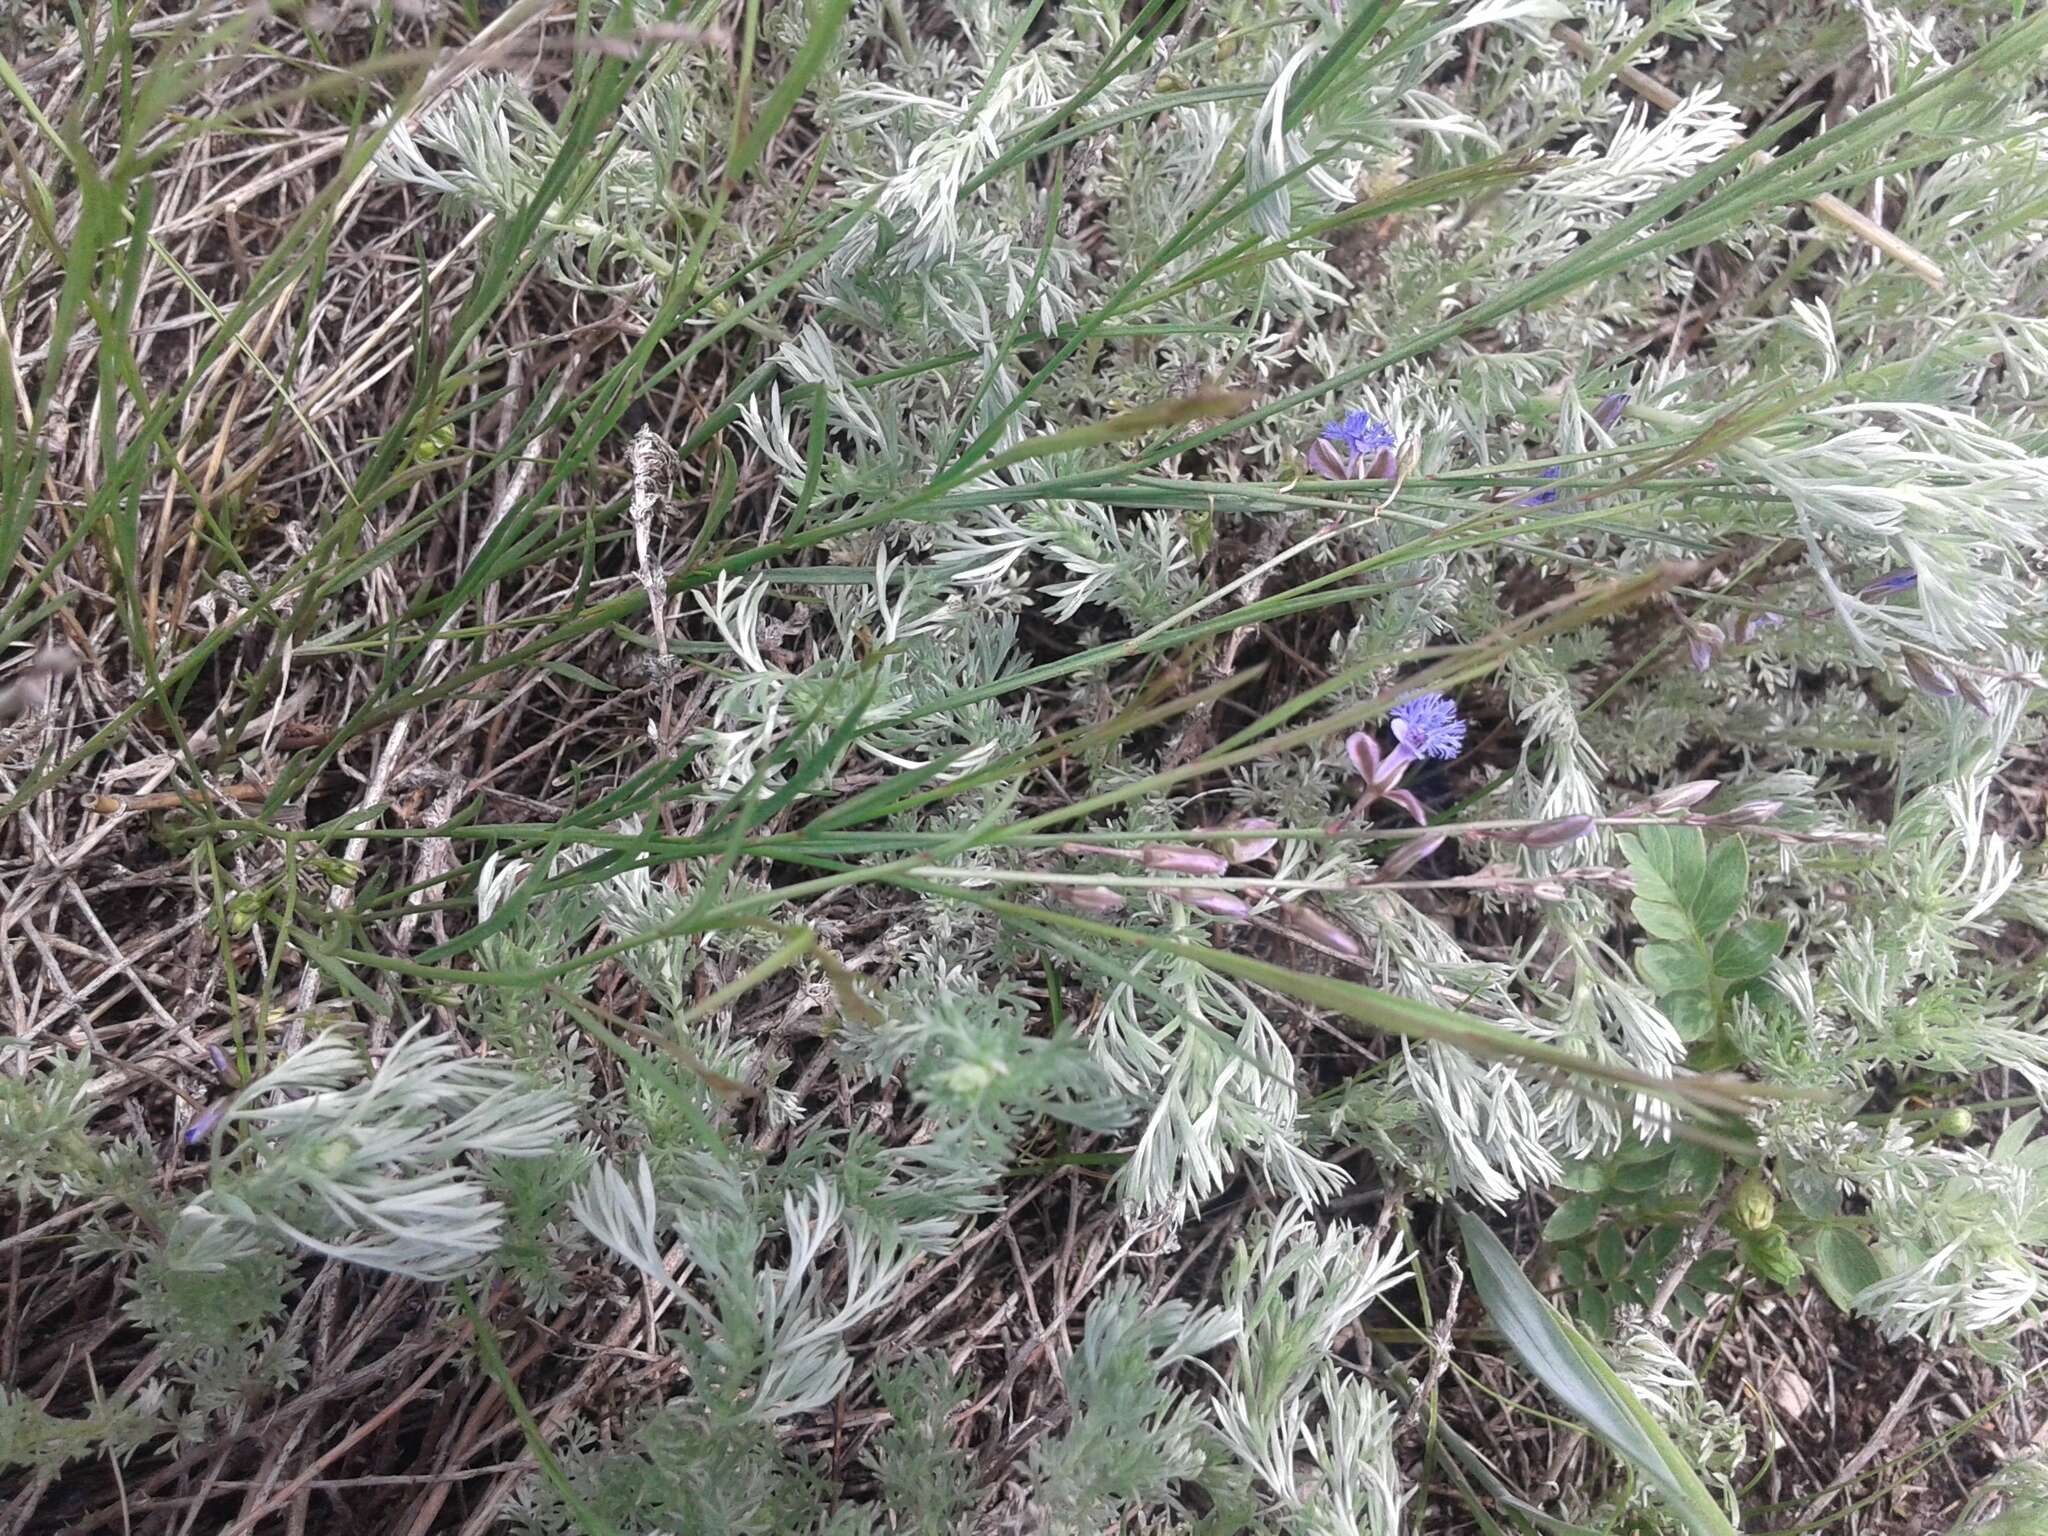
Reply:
x=1576, y=1373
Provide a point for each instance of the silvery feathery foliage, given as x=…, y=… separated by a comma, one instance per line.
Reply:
x=1712, y=1439
x=370, y=1167
x=1856, y=467
x=773, y=1338
x=1285, y=1407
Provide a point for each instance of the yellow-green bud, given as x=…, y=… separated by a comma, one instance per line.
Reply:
x=1753, y=1209
x=1956, y=1123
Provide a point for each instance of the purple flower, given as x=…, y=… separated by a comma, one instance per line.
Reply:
x=202, y=1124
x=1424, y=726
x=1608, y=412
x=1543, y=498
x=1428, y=726
x=1357, y=446
x=1885, y=586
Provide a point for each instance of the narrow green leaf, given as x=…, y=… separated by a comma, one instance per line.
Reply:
x=1579, y=1376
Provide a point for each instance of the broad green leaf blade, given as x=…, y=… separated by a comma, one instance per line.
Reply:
x=1722, y=887
x=1579, y=1377
x=1844, y=1266
x=1748, y=951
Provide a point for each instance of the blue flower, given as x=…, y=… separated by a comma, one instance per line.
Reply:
x=1357, y=446
x=1885, y=586
x=1359, y=432
x=1543, y=498
x=1428, y=726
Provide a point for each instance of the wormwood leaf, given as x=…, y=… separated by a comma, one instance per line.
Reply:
x=1579, y=1376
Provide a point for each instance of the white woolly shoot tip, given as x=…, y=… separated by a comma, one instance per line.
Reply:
x=379, y=1168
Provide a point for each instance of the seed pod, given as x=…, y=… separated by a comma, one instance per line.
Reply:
x=1554, y=833
x=1313, y=925
x=1183, y=861
x=1407, y=858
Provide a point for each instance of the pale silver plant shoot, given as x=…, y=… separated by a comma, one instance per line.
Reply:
x=373, y=1168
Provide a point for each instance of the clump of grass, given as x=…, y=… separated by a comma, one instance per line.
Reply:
x=830, y=768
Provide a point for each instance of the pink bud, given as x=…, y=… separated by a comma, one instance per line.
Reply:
x=1549, y=834
x=1315, y=927
x=1215, y=903
x=1183, y=861
x=1089, y=898
x=1242, y=850
x=1752, y=813
x=1407, y=858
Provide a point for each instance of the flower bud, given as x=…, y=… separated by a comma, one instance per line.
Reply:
x=1609, y=410
x=1683, y=796
x=1315, y=927
x=1753, y=1208
x=1407, y=858
x=1183, y=861
x=203, y=1123
x=1242, y=850
x=1554, y=833
x=1927, y=677
x=1089, y=898
x=1956, y=1123
x=1216, y=903
x=1703, y=643
x=1751, y=813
